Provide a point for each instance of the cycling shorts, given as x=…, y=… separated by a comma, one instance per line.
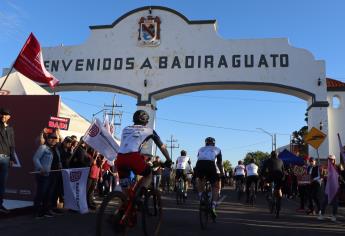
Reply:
x=133, y=161
x=208, y=170
x=181, y=173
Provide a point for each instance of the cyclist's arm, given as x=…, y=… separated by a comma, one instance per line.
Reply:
x=162, y=147
x=220, y=162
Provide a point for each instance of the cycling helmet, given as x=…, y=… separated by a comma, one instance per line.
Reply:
x=141, y=117
x=210, y=141
x=183, y=153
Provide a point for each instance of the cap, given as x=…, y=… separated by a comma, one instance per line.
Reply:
x=52, y=136
x=4, y=111
x=332, y=157
x=311, y=159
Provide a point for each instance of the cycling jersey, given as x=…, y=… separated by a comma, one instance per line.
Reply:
x=240, y=170
x=208, y=153
x=133, y=137
x=252, y=169
x=182, y=161
x=129, y=156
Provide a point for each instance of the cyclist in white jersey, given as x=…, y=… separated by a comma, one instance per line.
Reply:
x=130, y=156
x=252, y=176
x=181, y=169
x=240, y=172
x=209, y=165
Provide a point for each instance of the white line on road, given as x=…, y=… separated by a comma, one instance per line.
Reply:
x=221, y=200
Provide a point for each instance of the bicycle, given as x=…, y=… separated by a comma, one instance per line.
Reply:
x=273, y=199
x=180, y=197
x=239, y=189
x=205, y=207
x=252, y=196
x=118, y=213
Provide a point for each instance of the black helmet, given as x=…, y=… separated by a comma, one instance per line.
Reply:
x=183, y=153
x=210, y=141
x=240, y=162
x=141, y=117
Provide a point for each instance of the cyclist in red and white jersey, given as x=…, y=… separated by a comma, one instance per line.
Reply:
x=130, y=157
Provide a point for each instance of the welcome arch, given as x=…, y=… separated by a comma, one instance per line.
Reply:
x=155, y=52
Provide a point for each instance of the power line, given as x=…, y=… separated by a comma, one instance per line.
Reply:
x=188, y=122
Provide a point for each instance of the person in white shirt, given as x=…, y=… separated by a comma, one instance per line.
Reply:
x=182, y=163
x=252, y=176
x=209, y=166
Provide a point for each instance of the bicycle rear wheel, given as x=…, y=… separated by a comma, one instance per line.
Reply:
x=110, y=214
x=152, y=212
x=204, y=210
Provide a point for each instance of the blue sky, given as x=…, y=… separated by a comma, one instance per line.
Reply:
x=232, y=117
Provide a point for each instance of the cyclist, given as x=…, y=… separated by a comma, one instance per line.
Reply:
x=240, y=173
x=130, y=157
x=181, y=170
x=209, y=165
x=252, y=176
x=273, y=169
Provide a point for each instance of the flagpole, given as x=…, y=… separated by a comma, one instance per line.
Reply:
x=8, y=74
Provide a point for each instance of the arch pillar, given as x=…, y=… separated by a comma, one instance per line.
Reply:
x=150, y=108
x=318, y=118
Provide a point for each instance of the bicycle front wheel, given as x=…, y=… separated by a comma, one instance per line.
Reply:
x=152, y=213
x=110, y=214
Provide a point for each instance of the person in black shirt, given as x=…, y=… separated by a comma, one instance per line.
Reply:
x=7, y=156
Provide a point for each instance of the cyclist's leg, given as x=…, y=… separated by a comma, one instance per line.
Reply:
x=248, y=183
x=139, y=166
x=185, y=180
x=200, y=174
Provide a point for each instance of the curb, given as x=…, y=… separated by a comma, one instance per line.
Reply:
x=17, y=212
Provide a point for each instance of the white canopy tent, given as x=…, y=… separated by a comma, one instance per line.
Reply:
x=18, y=84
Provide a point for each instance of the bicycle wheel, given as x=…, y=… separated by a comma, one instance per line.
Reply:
x=110, y=214
x=152, y=212
x=204, y=210
x=277, y=207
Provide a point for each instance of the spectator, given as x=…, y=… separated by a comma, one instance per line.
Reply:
x=80, y=157
x=43, y=159
x=95, y=174
x=166, y=179
x=157, y=172
x=303, y=181
x=315, y=177
x=7, y=156
x=331, y=190
x=65, y=152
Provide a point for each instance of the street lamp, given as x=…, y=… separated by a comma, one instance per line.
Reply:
x=273, y=136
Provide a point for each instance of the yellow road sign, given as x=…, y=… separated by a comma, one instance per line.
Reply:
x=314, y=137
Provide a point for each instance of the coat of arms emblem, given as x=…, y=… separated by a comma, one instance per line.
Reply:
x=149, y=31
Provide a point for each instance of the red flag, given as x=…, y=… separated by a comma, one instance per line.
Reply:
x=30, y=63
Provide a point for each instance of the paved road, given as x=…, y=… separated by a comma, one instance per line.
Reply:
x=234, y=218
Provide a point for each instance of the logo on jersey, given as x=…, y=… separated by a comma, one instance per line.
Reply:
x=93, y=131
x=75, y=176
x=149, y=31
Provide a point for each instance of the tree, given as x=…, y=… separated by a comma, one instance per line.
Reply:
x=299, y=146
x=227, y=165
x=258, y=156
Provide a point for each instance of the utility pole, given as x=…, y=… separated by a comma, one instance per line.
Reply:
x=113, y=114
x=172, y=145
